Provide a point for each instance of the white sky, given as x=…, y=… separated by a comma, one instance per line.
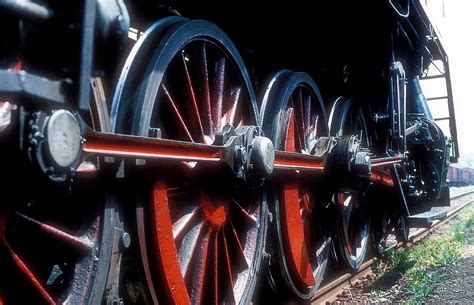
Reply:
x=457, y=30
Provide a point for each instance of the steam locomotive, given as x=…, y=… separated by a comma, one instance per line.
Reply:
x=179, y=152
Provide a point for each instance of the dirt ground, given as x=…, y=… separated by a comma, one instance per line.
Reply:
x=459, y=286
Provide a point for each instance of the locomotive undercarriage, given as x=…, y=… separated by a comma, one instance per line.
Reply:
x=169, y=181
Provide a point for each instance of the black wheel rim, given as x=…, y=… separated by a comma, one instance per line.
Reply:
x=294, y=118
x=195, y=84
x=353, y=221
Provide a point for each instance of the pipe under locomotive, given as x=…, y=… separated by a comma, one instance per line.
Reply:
x=175, y=152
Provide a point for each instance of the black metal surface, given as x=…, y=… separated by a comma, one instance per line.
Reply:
x=397, y=99
x=28, y=10
x=417, y=102
x=37, y=90
x=86, y=54
x=424, y=220
x=452, y=114
x=289, y=94
x=352, y=230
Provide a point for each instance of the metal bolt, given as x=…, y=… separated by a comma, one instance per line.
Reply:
x=126, y=240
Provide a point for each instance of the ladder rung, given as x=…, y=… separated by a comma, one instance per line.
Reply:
x=442, y=119
x=437, y=98
x=433, y=76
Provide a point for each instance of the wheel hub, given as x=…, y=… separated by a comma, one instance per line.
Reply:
x=216, y=215
x=348, y=159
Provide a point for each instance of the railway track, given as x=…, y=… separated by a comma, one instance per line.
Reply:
x=330, y=291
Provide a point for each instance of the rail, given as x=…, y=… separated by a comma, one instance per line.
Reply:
x=331, y=290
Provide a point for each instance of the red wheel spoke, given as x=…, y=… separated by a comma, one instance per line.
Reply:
x=28, y=274
x=2, y=301
x=215, y=267
x=314, y=128
x=238, y=250
x=181, y=224
x=290, y=141
x=299, y=118
x=143, y=252
x=207, y=117
x=193, y=109
x=77, y=242
x=307, y=114
x=3, y=224
x=341, y=198
x=228, y=271
x=302, y=248
x=244, y=212
x=188, y=247
x=193, y=237
x=229, y=116
x=164, y=240
x=196, y=282
x=218, y=93
x=295, y=235
x=177, y=114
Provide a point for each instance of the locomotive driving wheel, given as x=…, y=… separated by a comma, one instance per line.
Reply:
x=294, y=118
x=55, y=240
x=353, y=221
x=201, y=239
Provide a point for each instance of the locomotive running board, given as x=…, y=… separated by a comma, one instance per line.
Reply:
x=424, y=220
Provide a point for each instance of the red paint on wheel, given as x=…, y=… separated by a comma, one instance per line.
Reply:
x=290, y=136
x=293, y=225
x=293, y=230
x=167, y=249
x=28, y=274
x=215, y=214
x=2, y=302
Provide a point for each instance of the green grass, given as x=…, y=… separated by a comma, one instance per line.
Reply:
x=470, y=220
x=420, y=262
